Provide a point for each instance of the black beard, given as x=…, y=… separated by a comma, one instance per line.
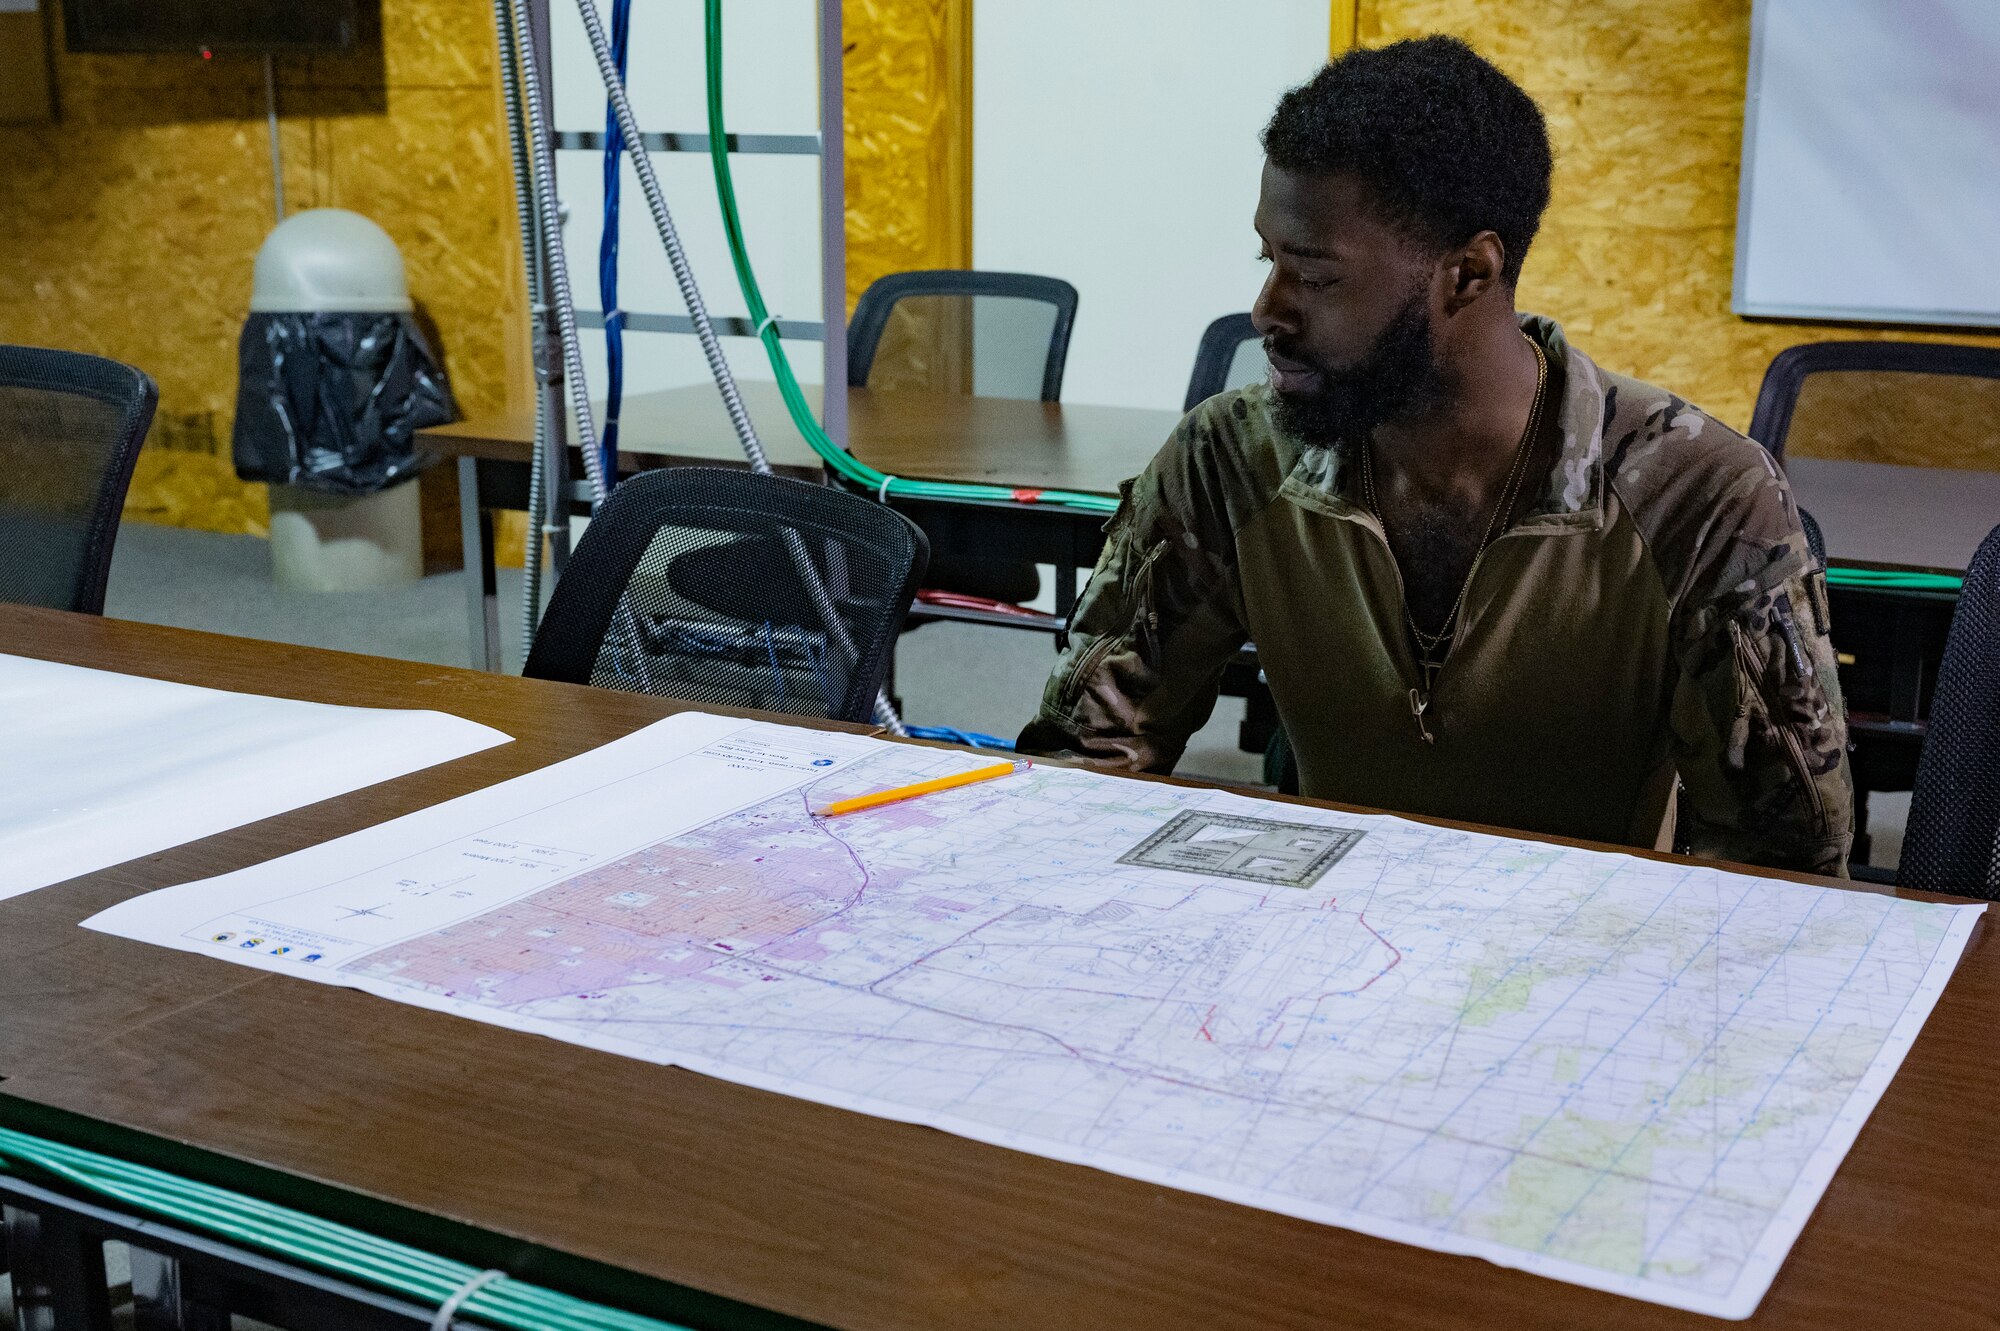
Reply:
x=1395, y=379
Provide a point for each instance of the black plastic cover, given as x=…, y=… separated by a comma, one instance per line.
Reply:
x=332, y=402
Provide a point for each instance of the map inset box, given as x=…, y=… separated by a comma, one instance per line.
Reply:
x=1255, y=849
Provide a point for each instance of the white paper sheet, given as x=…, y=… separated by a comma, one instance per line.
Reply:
x=97, y=768
x=1632, y=1075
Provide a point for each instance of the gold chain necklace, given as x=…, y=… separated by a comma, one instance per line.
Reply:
x=1428, y=643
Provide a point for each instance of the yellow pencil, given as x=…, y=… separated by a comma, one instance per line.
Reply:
x=899, y=793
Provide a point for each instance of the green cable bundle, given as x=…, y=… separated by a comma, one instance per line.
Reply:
x=839, y=460
x=320, y=1244
x=1894, y=580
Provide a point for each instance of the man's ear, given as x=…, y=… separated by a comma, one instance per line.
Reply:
x=1473, y=270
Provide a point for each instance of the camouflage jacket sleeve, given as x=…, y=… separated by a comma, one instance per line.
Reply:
x=1760, y=727
x=1150, y=637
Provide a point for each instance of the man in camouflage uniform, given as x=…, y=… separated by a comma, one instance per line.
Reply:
x=1487, y=580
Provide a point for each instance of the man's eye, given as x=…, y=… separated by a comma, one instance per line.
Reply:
x=1319, y=285
x=1263, y=257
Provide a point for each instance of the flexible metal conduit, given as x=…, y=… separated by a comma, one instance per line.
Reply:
x=557, y=264
x=531, y=259
x=711, y=345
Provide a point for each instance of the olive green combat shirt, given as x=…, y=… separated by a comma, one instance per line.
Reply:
x=1654, y=612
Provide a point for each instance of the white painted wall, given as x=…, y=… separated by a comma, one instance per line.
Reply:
x=1115, y=145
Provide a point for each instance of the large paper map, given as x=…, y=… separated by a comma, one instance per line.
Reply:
x=1633, y=1075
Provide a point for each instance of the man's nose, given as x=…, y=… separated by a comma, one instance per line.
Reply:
x=1271, y=313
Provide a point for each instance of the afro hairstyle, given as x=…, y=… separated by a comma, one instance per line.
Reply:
x=1447, y=144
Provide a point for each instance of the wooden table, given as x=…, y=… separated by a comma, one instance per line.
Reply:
x=932, y=437
x=685, y=1196
x=922, y=436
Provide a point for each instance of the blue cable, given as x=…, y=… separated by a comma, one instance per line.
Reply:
x=969, y=738
x=607, y=253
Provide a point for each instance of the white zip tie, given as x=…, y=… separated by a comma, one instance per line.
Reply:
x=882, y=495
x=769, y=321
x=448, y=1310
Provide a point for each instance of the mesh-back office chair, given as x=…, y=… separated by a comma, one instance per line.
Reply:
x=1901, y=402
x=956, y=332
x=1231, y=355
x=950, y=331
x=70, y=430
x=1952, y=843
x=728, y=587
x=1815, y=542
x=1905, y=402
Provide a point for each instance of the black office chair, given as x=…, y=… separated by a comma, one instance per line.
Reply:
x=1815, y=542
x=952, y=331
x=1952, y=841
x=1901, y=402
x=1878, y=401
x=1231, y=355
x=728, y=587
x=70, y=429
x=985, y=334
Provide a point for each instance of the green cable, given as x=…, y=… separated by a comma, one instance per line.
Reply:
x=324, y=1245
x=839, y=460
x=1885, y=579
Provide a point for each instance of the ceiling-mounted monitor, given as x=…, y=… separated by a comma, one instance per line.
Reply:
x=194, y=26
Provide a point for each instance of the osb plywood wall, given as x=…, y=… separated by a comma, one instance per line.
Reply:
x=1645, y=104
x=129, y=226
x=908, y=101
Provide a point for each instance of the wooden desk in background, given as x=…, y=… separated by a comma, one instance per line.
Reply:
x=1876, y=515
x=973, y=440
x=687, y=1197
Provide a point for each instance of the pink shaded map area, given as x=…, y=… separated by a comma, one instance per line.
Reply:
x=769, y=879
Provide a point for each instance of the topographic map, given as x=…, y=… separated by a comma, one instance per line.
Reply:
x=1633, y=1075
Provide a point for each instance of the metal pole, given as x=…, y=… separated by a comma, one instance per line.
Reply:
x=832, y=226
x=558, y=338
x=543, y=358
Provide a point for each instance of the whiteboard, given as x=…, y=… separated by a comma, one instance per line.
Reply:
x=1871, y=162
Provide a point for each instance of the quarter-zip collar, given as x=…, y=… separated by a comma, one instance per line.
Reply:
x=1571, y=496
